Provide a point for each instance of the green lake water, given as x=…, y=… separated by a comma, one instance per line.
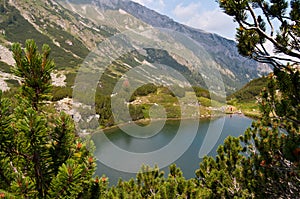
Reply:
x=193, y=140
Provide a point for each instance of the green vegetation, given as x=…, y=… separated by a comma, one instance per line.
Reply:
x=59, y=93
x=143, y=91
x=4, y=67
x=35, y=70
x=250, y=91
x=71, y=35
x=246, y=99
x=41, y=157
x=163, y=57
x=13, y=23
x=12, y=83
x=103, y=108
x=201, y=92
x=264, y=162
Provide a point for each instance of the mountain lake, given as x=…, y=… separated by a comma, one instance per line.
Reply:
x=193, y=143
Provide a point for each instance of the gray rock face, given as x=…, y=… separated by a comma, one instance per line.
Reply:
x=73, y=28
x=223, y=51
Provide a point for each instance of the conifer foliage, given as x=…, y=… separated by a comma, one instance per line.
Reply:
x=34, y=68
x=263, y=23
x=265, y=161
x=40, y=157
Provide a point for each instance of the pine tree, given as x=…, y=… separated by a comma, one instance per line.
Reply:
x=152, y=183
x=34, y=69
x=40, y=157
x=265, y=161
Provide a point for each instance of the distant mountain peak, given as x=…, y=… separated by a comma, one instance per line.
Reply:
x=74, y=27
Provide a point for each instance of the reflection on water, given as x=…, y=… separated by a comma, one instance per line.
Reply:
x=234, y=125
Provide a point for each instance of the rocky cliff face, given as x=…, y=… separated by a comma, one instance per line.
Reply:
x=223, y=51
x=74, y=28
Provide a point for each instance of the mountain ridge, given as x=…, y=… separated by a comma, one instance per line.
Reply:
x=75, y=33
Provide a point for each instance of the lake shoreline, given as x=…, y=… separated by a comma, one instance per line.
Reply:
x=149, y=120
x=210, y=133
x=145, y=122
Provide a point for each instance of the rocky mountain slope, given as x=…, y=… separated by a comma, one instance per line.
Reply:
x=223, y=51
x=74, y=29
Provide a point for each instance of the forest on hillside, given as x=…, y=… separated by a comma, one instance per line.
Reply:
x=41, y=155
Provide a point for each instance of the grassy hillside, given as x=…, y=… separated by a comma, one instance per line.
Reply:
x=72, y=30
x=17, y=29
x=73, y=34
x=245, y=99
x=250, y=91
